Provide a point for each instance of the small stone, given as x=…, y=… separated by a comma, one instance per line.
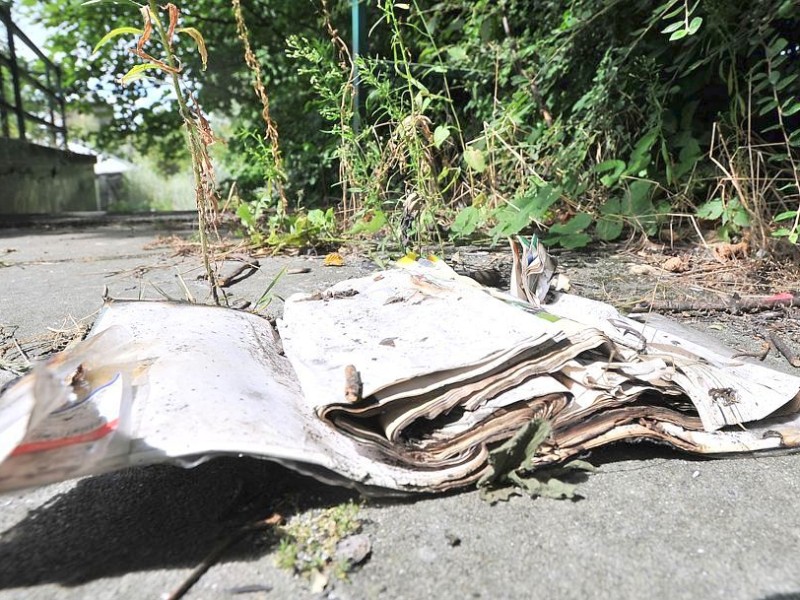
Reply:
x=354, y=548
x=298, y=270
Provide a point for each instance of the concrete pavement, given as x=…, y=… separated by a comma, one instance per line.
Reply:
x=653, y=523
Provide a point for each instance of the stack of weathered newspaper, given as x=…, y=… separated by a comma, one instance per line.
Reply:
x=406, y=379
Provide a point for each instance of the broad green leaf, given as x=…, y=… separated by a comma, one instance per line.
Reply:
x=575, y=240
x=466, y=221
x=612, y=206
x=440, y=135
x=694, y=25
x=474, y=159
x=710, y=210
x=369, y=224
x=457, y=53
x=637, y=198
x=608, y=228
x=576, y=224
x=137, y=72
x=510, y=220
x=246, y=215
x=672, y=27
x=538, y=203
x=116, y=33
x=198, y=39
x=741, y=218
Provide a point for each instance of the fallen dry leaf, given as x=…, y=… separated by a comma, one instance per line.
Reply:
x=675, y=264
x=725, y=252
x=334, y=259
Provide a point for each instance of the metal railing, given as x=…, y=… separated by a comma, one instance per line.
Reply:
x=36, y=96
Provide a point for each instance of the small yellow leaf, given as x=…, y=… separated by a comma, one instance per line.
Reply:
x=137, y=72
x=334, y=259
x=201, y=44
x=410, y=258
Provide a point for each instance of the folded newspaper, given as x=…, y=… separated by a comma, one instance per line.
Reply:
x=407, y=379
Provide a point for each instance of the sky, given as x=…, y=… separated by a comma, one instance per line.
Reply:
x=37, y=33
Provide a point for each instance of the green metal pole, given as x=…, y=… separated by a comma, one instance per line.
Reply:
x=359, y=47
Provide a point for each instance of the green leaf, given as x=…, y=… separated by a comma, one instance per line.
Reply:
x=500, y=494
x=440, y=135
x=510, y=220
x=90, y=2
x=672, y=27
x=246, y=216
x=474, y=159
x=637, y=199
x=576, y=224
x=785, y=216
x=575, y=240
x=466, y=221
x=579, y=465
x=608, y=229
x=612, y=206
x=777, y=47
x=768, y=107
x=516, y=452
x=457, y=53
x=670, y=9
x=792, y=109
x=114, y=33
x=137, y=72
x=694, y=25
x=786, y=81
x=614, y=169
x=681, y=33
x=546, y=488
x=710, y=210
x=640, y=156
x=371, y=225
x=538, y=203
x=741, y=218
